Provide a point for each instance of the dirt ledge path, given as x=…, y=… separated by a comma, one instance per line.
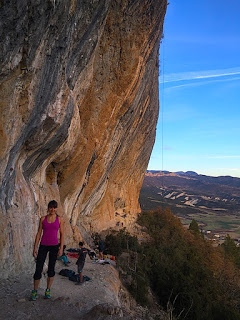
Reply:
x=101, y=298
x=96, y=299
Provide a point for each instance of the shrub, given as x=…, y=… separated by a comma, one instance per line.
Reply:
x=188, y=276
x=121, y=241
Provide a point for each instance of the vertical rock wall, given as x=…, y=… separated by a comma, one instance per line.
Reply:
x=79, y=107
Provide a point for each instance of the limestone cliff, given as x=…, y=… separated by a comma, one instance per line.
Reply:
x=79, y=107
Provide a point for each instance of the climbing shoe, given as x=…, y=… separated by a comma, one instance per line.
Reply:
x=33, y=296
x=47, y=294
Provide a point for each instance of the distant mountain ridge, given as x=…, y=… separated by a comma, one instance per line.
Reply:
x=223, y=180
x=178, y=172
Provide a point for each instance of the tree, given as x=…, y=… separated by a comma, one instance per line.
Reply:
x=231, y=250
x=194, y=227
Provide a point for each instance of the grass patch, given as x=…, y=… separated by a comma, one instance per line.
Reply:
x=216, y=222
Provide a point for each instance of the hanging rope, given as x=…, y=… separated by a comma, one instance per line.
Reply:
x=161, y=115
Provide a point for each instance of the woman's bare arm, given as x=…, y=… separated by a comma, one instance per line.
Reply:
x=38, y=237
x=60, y=251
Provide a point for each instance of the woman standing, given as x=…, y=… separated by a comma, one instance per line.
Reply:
x=48, y=233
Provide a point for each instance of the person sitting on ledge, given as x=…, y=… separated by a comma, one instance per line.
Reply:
x=64, y=257
x=100, y=246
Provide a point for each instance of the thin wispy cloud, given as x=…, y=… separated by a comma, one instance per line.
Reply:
x=207, y=39
x=167, y=148
x=202, y=83
x=203, y=156
x=225, y=157
x=198, y=75
x=228, y=170
x=217, y=156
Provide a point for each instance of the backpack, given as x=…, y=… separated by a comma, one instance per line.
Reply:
x=74, y=278
x=86, y=278
x=66, y=272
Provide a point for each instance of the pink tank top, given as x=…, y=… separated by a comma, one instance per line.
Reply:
x=50, y=232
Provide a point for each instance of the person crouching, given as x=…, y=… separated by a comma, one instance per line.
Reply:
x=81, y=261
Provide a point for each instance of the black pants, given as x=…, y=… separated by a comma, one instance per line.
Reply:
x=41, y=257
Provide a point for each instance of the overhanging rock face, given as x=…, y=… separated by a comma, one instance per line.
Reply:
x=79, y=107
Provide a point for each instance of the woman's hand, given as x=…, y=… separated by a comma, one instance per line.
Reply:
x=35, y=253
x=60, y=252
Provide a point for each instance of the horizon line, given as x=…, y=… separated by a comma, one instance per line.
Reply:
x=199, y=174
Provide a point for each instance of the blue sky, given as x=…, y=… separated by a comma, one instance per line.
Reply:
x=199, y=89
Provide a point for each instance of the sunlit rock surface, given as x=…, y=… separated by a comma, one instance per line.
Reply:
x=79, y=107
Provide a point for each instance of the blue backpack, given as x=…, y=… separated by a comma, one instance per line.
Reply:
x=66, y=273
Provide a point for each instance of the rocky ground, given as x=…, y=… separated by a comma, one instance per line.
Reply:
x=103, y=297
